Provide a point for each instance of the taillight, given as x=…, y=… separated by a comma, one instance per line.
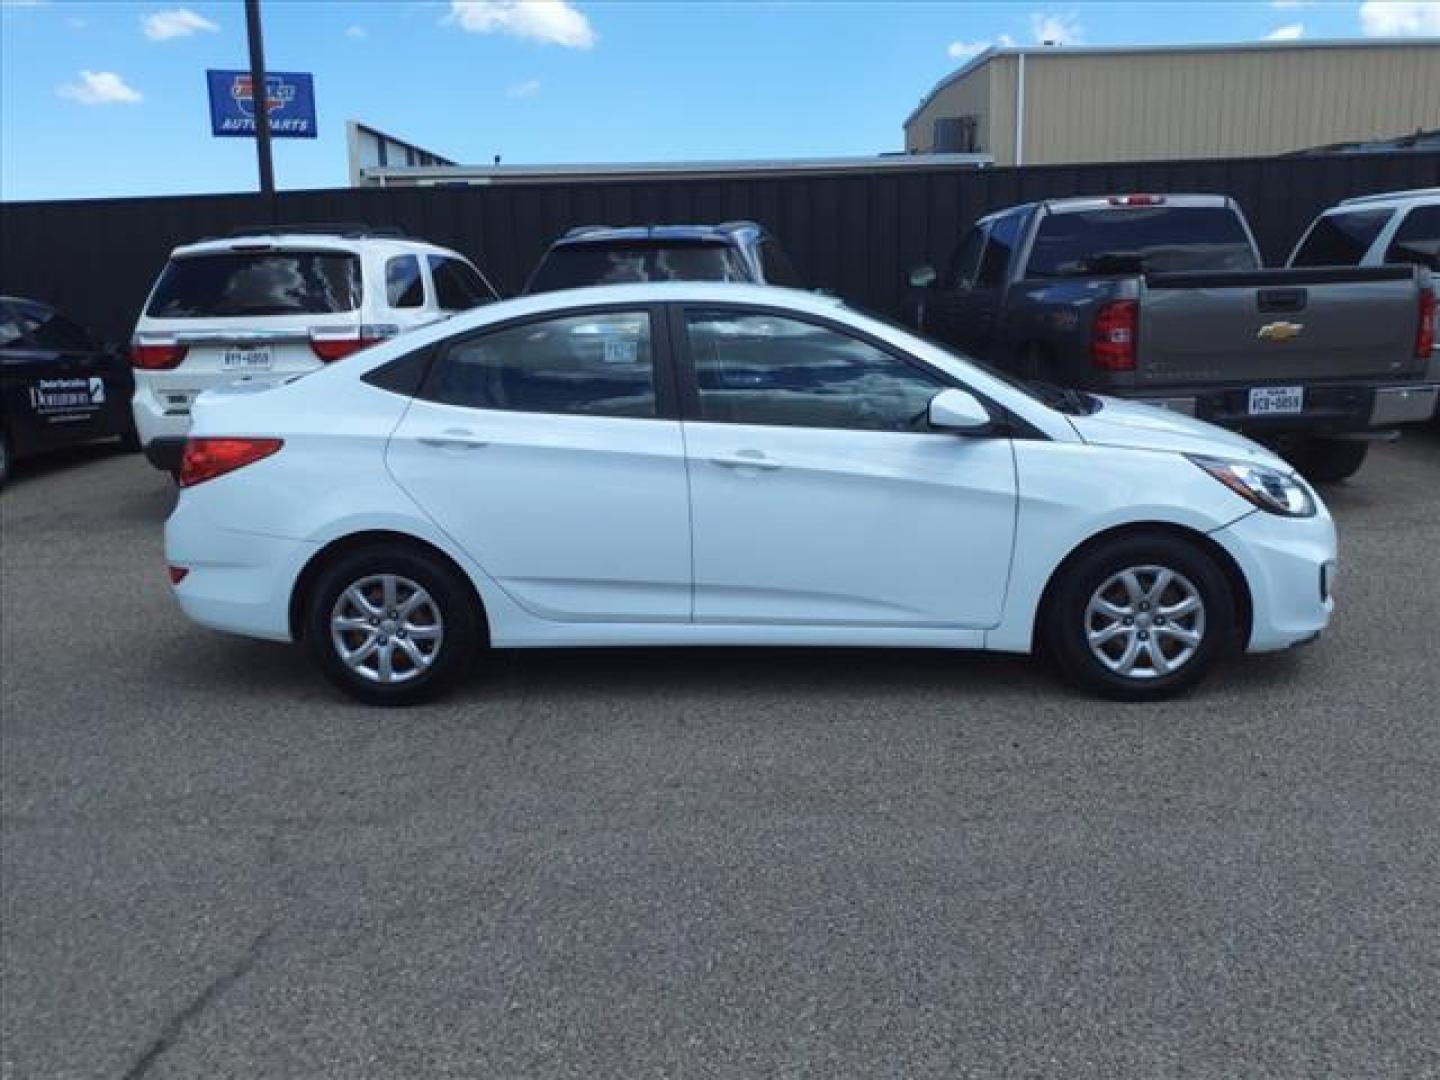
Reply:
x=178, y=574
x=331, y=345
x=156, y=354
x=1112, y=336
x=207, y=458
x=1425, y=332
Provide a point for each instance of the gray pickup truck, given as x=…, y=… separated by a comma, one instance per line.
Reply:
x=1162, y=298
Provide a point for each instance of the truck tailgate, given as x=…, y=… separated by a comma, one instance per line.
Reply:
x=1276, y=325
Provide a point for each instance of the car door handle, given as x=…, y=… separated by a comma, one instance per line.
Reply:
x=454, y=439
x=745, y=459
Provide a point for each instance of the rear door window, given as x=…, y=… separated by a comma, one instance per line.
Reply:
x=458, y=285
x=1195, y=239
x=592, y=365
x=1341, y=239
x=999, y=247
x=965, y=260
x=1418, y=238
x=575, y=266
x=257, y=283
x=404, y=284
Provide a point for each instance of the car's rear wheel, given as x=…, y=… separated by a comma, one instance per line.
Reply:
x=392, y=626
x=1140, y=618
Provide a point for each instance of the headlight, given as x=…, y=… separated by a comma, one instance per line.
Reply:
x=1269, y=489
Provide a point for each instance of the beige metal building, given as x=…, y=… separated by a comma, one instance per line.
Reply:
x=1064, y=104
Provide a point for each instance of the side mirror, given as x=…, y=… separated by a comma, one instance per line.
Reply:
x=958, y=411
x=923, y=277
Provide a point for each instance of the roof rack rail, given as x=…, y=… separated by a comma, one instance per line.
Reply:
x=349, y=230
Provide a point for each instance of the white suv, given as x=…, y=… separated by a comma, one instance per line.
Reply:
x=278, y=304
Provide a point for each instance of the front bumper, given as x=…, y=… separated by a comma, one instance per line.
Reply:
x=1330, y=409
x=1289, y=565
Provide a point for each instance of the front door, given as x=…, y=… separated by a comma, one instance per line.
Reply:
x=818, y=495
x=542, y=449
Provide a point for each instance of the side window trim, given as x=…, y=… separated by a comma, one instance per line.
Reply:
x=661, y=356
x=688, y=383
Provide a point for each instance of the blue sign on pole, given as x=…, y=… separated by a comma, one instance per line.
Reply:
x=290, y=96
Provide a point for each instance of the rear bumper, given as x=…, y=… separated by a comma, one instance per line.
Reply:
x=1289, y=565
x=1333, y=408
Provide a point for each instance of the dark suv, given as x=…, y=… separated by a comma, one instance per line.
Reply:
x=606, y=255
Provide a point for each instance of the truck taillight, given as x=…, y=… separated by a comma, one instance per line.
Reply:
x=206, y=458
x=1137, y=200
x=1425, y=332
x=331, y=345
x=156, y=354
x=1112, y=336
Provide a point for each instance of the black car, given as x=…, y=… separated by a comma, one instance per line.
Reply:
x=58, y=385
x=606, y=255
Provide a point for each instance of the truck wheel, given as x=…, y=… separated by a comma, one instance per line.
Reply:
x=1328, y=461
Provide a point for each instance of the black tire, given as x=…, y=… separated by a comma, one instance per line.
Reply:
x=1067, y=618
x=1328, y=461
x=460, y=621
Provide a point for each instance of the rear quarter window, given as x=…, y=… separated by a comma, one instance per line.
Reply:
x=257, y=283
x=1418, y=238
x=1341, y=239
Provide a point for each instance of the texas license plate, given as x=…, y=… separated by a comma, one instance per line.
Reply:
x=247, y=358
x=1276, y=400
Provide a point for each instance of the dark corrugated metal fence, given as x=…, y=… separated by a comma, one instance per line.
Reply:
x=853, y=234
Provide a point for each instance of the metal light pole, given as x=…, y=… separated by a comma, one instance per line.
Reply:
x=260, y=99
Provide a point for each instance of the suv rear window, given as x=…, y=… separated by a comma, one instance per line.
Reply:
x=257, y=283
x=1192, y=239
x=1341, y=239
x=574, y=266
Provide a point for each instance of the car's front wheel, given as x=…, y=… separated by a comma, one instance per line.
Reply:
x=392, y=626
x=1140, y=617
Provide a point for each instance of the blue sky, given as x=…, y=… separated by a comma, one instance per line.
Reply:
x=102, y=99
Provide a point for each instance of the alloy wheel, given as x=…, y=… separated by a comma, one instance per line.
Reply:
x=386, y=628
x=1145, y=622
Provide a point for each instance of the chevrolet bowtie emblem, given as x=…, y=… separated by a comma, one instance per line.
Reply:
x=1280, y=331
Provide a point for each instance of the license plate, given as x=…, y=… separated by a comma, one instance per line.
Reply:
x=1276, y=400
x=247, y=358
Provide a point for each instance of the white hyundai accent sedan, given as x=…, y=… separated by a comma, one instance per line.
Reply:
x=692, y=464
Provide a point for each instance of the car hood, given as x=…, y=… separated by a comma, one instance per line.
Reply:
x=1148, y=427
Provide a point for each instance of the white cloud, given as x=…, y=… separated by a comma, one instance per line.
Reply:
x=964, y=50
x=100, y=88
x=1400, y=18
x=528, y=88
x=554, y=22
x=356, y=32
x=1058, y=29
x=1290, y=32
x=177, y=22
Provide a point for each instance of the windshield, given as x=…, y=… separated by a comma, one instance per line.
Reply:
x=576, y=266
x=1192, y=239
x=257, y=283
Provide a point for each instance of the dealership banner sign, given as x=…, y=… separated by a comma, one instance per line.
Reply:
x=289, y=98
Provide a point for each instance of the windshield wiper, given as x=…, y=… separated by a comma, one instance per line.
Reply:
x=1065, y=399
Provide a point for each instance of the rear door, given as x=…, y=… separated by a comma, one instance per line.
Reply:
x=59, y=389
x=548, y=449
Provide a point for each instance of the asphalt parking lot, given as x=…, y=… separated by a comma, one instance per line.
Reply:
x=720, y=863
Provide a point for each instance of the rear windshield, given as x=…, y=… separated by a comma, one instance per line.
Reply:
x=1341, y=239
x=575, y=266
x=257, y=283
x=1179, y=238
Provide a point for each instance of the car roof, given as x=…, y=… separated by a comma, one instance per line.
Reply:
x=1392, y=200
x=303, y=241
x=725, y=233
